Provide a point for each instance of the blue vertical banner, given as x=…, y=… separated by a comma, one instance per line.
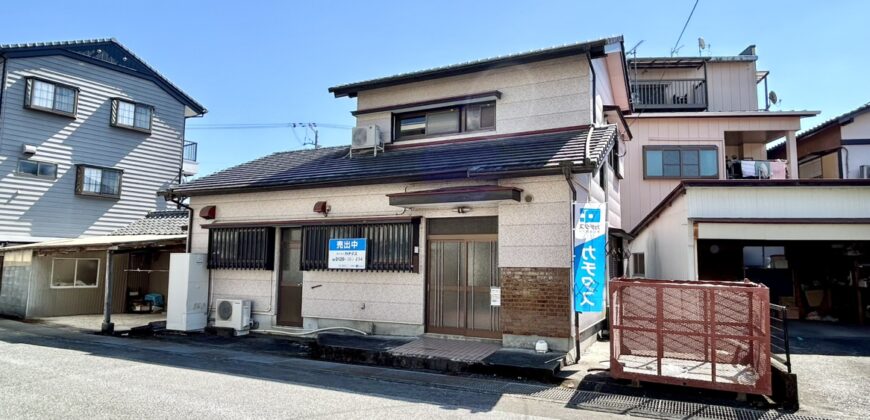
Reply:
x=590, y=256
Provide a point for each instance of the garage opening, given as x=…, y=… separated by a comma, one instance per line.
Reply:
x=816, y=280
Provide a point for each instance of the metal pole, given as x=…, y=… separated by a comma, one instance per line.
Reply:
x=108, y=327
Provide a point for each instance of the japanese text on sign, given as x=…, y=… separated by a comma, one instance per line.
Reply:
x=347, y=254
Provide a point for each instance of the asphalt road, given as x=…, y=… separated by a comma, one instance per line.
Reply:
x=51, y=373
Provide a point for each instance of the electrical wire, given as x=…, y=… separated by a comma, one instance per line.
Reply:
x=258, y=126
x=674, y=50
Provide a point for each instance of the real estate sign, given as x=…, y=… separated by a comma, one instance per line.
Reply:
x=590, y=256
x=347, y=253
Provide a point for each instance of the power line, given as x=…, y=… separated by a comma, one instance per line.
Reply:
x=259, y=126
x=674, y=50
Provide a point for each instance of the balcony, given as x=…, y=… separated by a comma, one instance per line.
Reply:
x=189, y=167
x=669, y=95
x=756, y=169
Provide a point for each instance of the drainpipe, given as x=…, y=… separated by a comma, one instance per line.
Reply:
x=567, y=169
x=108, y=327
x=594, y=109
x=189, y=222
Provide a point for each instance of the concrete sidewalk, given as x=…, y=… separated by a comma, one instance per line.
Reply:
x=231, y=359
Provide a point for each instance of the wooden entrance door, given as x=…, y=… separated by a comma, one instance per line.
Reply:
x=290, y=278
x=461, y=271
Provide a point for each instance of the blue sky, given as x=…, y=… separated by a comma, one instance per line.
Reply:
x=272, y=62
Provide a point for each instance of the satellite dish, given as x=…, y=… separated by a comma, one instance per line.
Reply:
x=773, y=98
x=701, y=43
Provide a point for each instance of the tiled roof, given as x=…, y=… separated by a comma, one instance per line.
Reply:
x=476, y=65
x=845, y=116
x=167, y=222
x=105, y=51
x=504, y=156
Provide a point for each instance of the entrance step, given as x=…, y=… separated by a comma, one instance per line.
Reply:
x=451, y=356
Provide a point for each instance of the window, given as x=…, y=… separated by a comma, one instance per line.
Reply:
x=441, y=121
x=391, y=246
x=96, y=181
x=37, y=168
x=135, y=116
x=241, y=248
x=44, y=95
x=638, y=265
x=681, y=162
x=762, y=256
x=74, y=272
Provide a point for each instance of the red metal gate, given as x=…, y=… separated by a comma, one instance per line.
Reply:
x=704, y=334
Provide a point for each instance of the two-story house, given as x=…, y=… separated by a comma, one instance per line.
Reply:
x=838, y=148
x=459, y=187
x=89, y=133
x=703, y=199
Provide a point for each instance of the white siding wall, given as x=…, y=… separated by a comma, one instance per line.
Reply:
x=667, y=245
x=542, y=95
x=778, y=202
x=858, y=155
x=534, y=234
x=33, y=208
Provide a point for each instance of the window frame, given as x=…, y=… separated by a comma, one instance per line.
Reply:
x=79, y=186
x=634, y=264
x=113, y=118
x=75, y=273
x=463, y=120
x=18, y=171
x=28, y=97
x=680, y=149
x=393, y=246
x=244, y=248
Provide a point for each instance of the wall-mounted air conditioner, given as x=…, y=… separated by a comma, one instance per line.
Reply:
x=234, y=314
x=368, y=137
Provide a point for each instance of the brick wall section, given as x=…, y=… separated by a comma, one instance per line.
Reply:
x=536, y=301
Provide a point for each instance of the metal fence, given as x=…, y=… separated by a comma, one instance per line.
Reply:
x=669, y=94
x=779, y=348
x=713, y=335
x=190, y=151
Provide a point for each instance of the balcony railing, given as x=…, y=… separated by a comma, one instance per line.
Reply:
x=190, y=151
x=670, y=95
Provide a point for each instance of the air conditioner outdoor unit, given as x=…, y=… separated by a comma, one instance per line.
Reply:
x=865, y=171
x=235, y=314
x=368, y=137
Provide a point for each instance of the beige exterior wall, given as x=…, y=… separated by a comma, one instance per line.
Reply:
x=640, y=195
x=730, y=85
x=857, y=154
x=531, y=234
x=536, y=96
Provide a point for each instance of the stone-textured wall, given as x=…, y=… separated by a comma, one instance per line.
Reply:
x=536, y=301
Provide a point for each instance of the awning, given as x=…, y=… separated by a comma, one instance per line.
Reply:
x=104, y=242
x=453, y=196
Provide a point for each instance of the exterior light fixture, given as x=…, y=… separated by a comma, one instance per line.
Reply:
x=462, y=209
x=322, y=207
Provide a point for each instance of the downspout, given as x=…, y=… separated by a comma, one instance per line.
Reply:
x=594, y=102
x=567, y=169
x=178, y=203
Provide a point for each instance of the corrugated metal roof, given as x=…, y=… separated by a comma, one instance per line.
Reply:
x=98, y=242
x=332, y=166
x=474, y=65
x=107, y=54
x=169, y=222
